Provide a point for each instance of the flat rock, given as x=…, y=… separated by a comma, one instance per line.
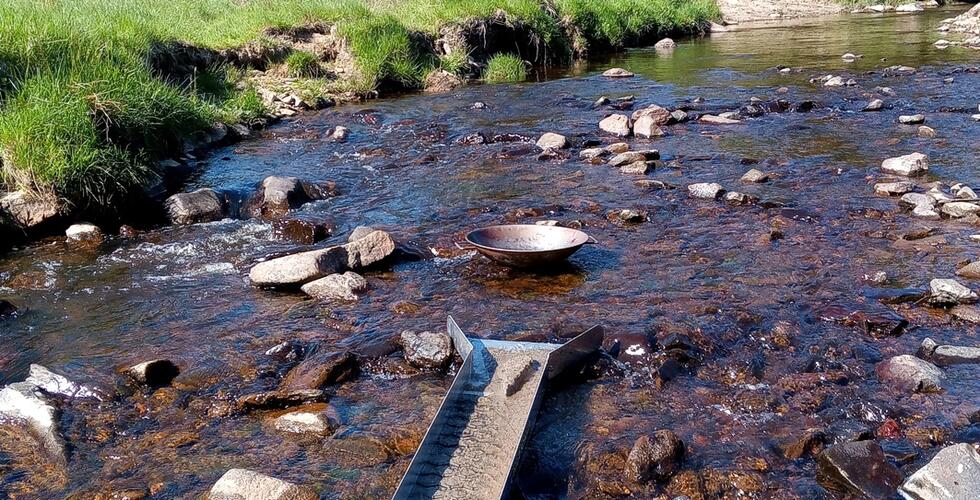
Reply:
x=300, y=268
x=320, y=369
x=632, y=157
x=337, y=286
x=202, y=205
x=945, y=355
x=968, y=313
x=953, y=474
x=960, y=209
x=918, y=200
x=427, y=349
x=894, y=188
x=654, y=457
x=618, y=125
x=617, y=73
x=593, y=153
x=912, y=164
x=705, y=190
x=241, y=484
x=754, y=176
x=910, y=373
x=154, y=373
x=717, y=120
x=283, y=398
x=859, y=468
x=911, y=119
x=551, y=140
x=635, y=168
x=657, y=115
x=950, y=292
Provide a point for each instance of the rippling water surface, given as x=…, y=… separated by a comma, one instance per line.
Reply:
x=701, y=269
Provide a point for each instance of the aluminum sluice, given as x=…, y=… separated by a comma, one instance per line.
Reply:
x=474, y=442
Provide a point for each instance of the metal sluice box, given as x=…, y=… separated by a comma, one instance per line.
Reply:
x=474, y=442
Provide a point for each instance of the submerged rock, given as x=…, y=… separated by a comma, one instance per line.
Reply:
x=618, y=125
x=953, y=474
x=278, y=195
x=427, y=349
x=154, y=373
x=241, y=484
x=305, y=231
x=338, y=286
x=320, y=369
x=911, y=119
x=912, y=164
x=717, y=120
x=755, y=176
x=319, y=419
x=705, y=190
x=617, y=73
x=654, y=457
x=910, y=373
x=202, y=205
x=858, y=468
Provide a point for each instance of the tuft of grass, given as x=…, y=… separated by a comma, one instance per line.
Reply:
x=456, y=63
x=301, y=64
x=503, y=68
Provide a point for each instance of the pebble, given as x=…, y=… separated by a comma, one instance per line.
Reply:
x=426, y=349
x=894, y=188
x=927, y=132
x=875, y=105
x=754, y=176
x=551, y=140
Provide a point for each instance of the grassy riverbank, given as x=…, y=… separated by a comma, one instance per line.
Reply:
x=84, y=115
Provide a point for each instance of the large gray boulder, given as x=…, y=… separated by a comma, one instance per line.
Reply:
x=953, y=474
x=241, y=484
x=278, y=195
x=203, y=205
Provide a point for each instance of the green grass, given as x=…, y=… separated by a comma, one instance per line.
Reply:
x=503, y=68
x=82, y=113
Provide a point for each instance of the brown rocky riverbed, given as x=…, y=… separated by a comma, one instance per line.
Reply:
x=755, y=345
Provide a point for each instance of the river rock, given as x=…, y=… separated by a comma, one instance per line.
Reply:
x=88, y=233
x=970, y=271
x=337, y=286
x=551, y=140
x=300, y=268
x=926, y=132
x=25, y=404
x=917, y=200
x=953, y=474
x=945, y=355
x=278, y=195
x=950, y=292
x=654, y=457
x=834, y=81
x=665, y=44
x=52, y=383
x=617, y=73
x=657, y=114
x=925, y=212
x=910, y=373
x=754, y=176
x=909, y=7
x=282, y=398
x=241, y=484
x=339, y=134
x=301, y=230
x=154, y=373
x=369, y=249
x=705, y=190
x=875, y=105
x=427, y=349
x=319, y=419
x=202, y=205
x=679, y=116
x=618, y=125
x=633, y=157
x=968, y=313
x=593, y=153
x=960, y=209
x=645, y=127
x=894, y=188
x=635, y=168
x=911, y=119
x=320, y=369
x=29, y=210
x=737, y=198
x=858, y=468
x=441, y=80
x=912, y=164
x=717, y=120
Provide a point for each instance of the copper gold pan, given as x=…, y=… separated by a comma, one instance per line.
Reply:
x=527, y=246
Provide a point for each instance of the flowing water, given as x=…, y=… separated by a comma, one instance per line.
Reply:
x=765, y=360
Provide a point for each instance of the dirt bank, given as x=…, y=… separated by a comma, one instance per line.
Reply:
x=739, y=11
